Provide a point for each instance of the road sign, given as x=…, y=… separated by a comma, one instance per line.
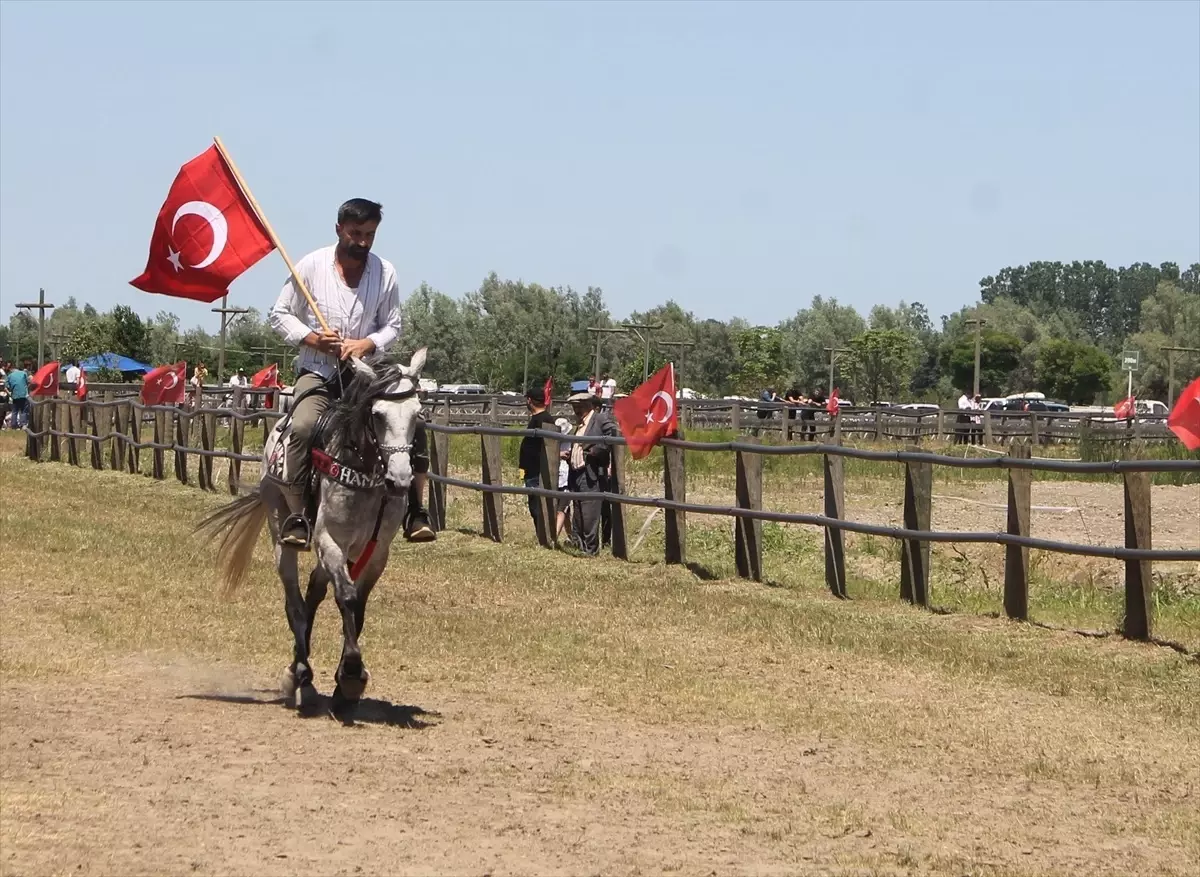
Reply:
x=1129, y=360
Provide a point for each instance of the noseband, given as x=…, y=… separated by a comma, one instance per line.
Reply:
x=385, y=452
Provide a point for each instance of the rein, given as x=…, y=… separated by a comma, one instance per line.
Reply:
x=347, y=475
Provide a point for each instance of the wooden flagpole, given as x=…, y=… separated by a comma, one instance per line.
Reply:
x=237, y=175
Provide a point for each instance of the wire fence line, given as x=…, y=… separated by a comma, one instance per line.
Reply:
x=73, y=423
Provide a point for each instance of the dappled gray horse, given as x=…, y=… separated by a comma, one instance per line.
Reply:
x=362, y=466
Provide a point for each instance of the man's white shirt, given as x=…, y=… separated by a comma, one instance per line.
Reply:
x=370, y=311
x=72, y=374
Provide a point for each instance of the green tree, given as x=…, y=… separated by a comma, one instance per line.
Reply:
x=882, y=362
x=129, y=335
x=91, y=337
x=1000, y=354
x=434, y=320
x=1073, y=371
x=805, y=337
x=759, y=361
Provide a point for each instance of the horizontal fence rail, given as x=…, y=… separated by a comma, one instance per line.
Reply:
x=117, y=421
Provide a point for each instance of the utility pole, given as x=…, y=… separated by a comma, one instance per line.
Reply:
x=56, y=340
x=978, y=323
x=599, y=333
x=1171, y=370
x=42, y=307
x=682, y=347
x=833, y=352
x=225, y=310
x=267, y=350
x=637, y=329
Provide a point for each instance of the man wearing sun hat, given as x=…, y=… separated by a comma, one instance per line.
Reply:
x=589, y=465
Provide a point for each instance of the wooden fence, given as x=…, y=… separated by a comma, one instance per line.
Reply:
x=117, y=423
x=994, y=428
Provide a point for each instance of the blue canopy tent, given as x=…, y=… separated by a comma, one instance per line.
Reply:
x=114, y=362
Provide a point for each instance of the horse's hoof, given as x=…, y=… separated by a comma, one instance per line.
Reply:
x=351, y=688
x=343, y=708
x=287, y=685
x=307, y=700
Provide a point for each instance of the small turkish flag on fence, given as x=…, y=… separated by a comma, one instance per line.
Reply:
x=831, y=404
x=648, y=415
x=1125, y=409
x=81, y=389
x=1184, y=420
x=207, y=234
x=267, y=377
x=45, y=380
x=165, y=385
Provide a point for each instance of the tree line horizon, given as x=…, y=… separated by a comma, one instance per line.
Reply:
x=1054, y=327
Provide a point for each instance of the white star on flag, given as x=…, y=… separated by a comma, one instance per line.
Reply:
x=173, y=258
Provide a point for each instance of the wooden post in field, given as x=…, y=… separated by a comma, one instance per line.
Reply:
x=183, y=431
x=116, y=445
x=439, y=464
x=735, y=415
x=835, y=507
x=73, y=427
x=1033, y=428
x=546, y=521
x=675, y=489
x=878, y=425
x=133, y=424
x=493, y=503
x=1016, y=558
x=835, y=428
x=97, y=451
x=914, y=553
x=237, y=431
x=1139, y=586
x=208, y=442
x=55, y=419
x=620, y=457
x=786, y=427
x=33, y=443
x=747, y=533
x=160, y=439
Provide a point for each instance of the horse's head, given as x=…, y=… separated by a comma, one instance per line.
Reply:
x=385, y=395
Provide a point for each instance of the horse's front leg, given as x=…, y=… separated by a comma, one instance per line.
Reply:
x=351, y=675
x=297, y=684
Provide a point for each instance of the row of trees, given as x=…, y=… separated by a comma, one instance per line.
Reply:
x=1054, y=327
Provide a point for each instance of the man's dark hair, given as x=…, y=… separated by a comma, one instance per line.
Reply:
x=536, y=393
x=360, y=210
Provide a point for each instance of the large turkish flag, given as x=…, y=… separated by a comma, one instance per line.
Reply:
x=206, y=236
x=165, y=385
x=648, y=413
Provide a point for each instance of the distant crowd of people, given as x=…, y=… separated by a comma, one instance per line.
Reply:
x=797, y=402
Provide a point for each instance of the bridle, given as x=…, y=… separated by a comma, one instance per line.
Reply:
x=386, y=452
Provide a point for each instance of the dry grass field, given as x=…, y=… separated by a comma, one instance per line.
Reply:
x=534, y=712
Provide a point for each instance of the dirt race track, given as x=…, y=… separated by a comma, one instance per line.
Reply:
x=535, y=713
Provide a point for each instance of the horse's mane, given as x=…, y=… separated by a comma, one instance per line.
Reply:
x=351, y=414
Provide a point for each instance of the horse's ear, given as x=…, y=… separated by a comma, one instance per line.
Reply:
x=417, y=363
x=362, y=369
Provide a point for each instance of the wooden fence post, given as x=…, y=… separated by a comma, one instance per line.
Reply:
x=183, y=431
x=987, y=429
x=1016, y=557
x=835, y=507
x=675, y=489
x=55, y=448
x=134, y=424
x=160, y=438
x=237, y=430
x=616, y=511
x=747, y=532
x=439, y=464
x=93, y=412
x=204, y=463
x=546, y=521
x=918, y=507
x=878, y=425
x=493, y=503
x=735, y=415
x=73, y=427
x=116, y=447
x=1033, y=428
x=1139, y=586
x=37, y=420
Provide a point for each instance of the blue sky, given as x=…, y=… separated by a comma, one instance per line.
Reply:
x=739, y=158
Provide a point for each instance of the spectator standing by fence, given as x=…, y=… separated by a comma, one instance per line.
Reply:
x=589, y=469
x=72, y=377
x=17, y=382
x=530, y=457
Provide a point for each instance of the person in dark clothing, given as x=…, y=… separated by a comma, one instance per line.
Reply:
x=794, y=398
x=808, y=416
x=530, y=459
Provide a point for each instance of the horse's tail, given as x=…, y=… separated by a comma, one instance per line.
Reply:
x=237, y=524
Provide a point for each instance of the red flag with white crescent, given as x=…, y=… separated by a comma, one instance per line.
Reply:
x=45, y=380
x=81, y=389
x=267, y=377
x=648, y=414
x=165, y=385
x=206, y=236
x=1184, y=419
x=1125, y=408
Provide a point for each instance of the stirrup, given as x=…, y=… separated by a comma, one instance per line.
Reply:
x=417, y=527
x=292, y=540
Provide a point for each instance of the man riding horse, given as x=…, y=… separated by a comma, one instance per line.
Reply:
x=358, y=294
